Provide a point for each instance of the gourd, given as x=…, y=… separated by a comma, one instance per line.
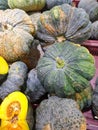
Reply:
x=13, y=112
x=62, y=23
x=30, y=5
x=91, y=7
x=34, y=89
x=4, y=68
x=94, y=32
x=95, y=100
x=4, y=4
x=15, y=79
x=33, y=56
x=16, y=34
x=67, y=70
x=59, y=114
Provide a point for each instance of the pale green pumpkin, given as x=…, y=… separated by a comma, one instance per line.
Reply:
x=27, y=5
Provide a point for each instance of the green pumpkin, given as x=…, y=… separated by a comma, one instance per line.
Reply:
x=4, y=4
x=66, y=69
x=59, y=114
x=62, y=23
x=27, y=5
x=94, y=31
x=91, y=7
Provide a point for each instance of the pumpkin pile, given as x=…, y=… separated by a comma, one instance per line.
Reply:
x=42, y=62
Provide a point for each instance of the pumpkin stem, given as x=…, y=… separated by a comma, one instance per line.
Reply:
x=60, y=62
x=61, y=38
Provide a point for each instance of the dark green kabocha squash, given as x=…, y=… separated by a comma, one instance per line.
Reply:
x=95, y=100
x=62, y=23
x=34, y=89
x=91, y=7
x=59, y=114
x=15, y=79
x=66, y=69
x=4, y=4
x=94, y=31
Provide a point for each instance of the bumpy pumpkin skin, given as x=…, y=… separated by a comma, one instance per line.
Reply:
x=34, y=89
x=14, y=112
x=58, y=113
x=15, y=79
x=62, y=23
x=27, y=5
x=91, y=7
x=95, y=100
x=67, y=69
x=16, y=30
x=4, y=4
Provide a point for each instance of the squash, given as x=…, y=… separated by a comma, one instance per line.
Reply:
x=16, y=32
x=91, y=7
x=33, y=56
x=15, y=79
x=4, y=68
x=59, y=114
x=13, y=112
x=94, y=31
x=62, y=23
x=34, y=89
x=95, y=100
x=51, y=3
x=4, y=4
x=30, y=5
x=67, y=69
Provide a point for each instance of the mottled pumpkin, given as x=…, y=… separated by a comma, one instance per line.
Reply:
x=4, y=4
x=15, y=79
x=14, y=112
x=62, y=23
x=91, y=7
x=66, y=69
x=59, y=114
x=16, y=30
x=27, y=5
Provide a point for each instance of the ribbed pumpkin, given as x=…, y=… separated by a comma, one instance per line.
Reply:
x=59, y=114
x=94, y=31
x=16, y=32
x=4, y=4
x=91, y=7
x=66, y=69
x=62, y=23
x=27, y=5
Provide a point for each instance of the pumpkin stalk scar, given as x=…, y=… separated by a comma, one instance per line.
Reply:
x=6, y=27
x=60, y=62
x=61, y=38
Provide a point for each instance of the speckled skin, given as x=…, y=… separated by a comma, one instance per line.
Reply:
x=59, y=114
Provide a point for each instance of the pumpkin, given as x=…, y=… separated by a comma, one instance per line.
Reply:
x=51, y=3
x=91, y=7
x=66, y=69
x=16, y=30
x=34, y=89
x=13, y=112
x=30, y=5
x=95, y=100
x=4, y=4
x=59, y=114
x=15, y=79
x=94, y=31
x=62, y=23
x=33, y=56
x=4, y=68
